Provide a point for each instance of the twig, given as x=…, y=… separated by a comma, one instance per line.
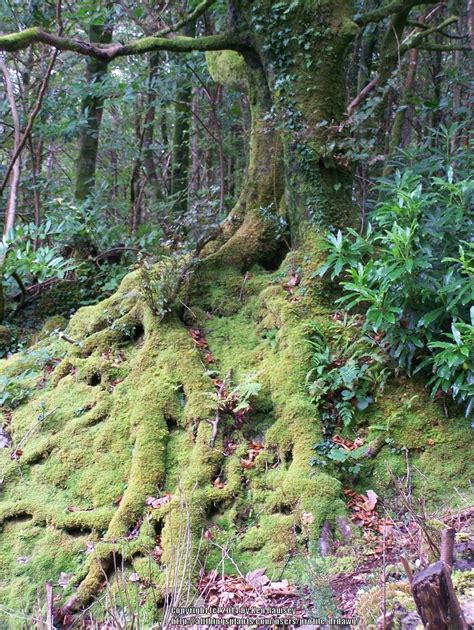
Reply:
x=49, y=606
x=242, y=288
x=407, y=567
x=217, y=418
x=447, y=546
x=362, y=94
x=31, y=120
x=198, y=11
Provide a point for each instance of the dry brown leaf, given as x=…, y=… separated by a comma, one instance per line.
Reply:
x=371, y=500
x=156, y=503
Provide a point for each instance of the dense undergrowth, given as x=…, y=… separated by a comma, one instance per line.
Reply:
x=411, y=270
x=118, y=410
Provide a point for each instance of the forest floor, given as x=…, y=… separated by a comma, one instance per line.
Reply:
x=149, y=465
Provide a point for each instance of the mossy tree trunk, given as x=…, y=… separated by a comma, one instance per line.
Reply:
x=253, y=231
x=181, y=133
x=302, y=48
x=92, y=107
x=150, y=126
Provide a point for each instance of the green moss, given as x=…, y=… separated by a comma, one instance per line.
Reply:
x=436, y=446
x=227, y=67
x=117, y=431
x=274, y=537
x=57, y=322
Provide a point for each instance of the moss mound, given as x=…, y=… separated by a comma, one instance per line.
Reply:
x=123, y=414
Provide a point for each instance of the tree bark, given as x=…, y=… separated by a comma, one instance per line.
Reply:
x=14, y=179
x=149, y=129
x=182, y=128
x=92, y=109
x=305, y=74
x=181, y=134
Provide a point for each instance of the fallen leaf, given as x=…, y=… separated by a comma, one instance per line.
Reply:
x=156, y=503
x=218, y=483
x=371, y=501
x=257, y=578
x=247, y=463
x=134, y=577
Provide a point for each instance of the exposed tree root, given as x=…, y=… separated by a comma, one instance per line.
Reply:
x=134, y=420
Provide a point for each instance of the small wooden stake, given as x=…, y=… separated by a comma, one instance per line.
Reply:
x=436, y=600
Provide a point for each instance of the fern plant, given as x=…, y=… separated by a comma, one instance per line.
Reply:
x=345, y=376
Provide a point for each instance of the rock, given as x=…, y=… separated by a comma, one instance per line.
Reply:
x=344, y=528
x=57, y=322
x=411, y=622
x=325, y=540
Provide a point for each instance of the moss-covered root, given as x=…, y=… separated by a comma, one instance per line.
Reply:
x=167, y=365
x=295, y=431
x=197, y=496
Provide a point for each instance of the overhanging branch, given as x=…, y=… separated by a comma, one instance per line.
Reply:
x=107, y=52
x=413, y=40
x=194, y=15
x=395, y=6
x=445, y=47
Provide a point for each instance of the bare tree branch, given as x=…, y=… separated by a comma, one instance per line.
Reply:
x=414, y=40
x=19, y=146
x=363, y=94
x=392, y=7
x=194, y=15
x=445, y=47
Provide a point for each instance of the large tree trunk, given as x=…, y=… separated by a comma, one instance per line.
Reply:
x=305, y=76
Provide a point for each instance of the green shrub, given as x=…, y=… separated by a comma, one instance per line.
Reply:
x=412, y=274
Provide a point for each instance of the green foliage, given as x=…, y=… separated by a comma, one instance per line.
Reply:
x=14, y=391
x=412, y=274
x=348, y=461
x=31, y=255
x=345, y=376
x=160, y=281
x=245, y=391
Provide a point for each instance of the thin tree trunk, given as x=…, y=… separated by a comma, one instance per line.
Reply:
x=16, y=168
x=92, y=108
x=10, y=215
x=149, y=127
x=182, y=128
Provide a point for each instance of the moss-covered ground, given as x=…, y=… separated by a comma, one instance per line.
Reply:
x=119, y=411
